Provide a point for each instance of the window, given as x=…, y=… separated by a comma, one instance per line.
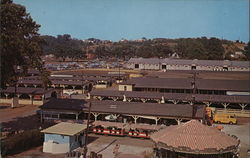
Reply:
x=193, y=67
x=136, y=66
x=164, y=67
x=125, y=88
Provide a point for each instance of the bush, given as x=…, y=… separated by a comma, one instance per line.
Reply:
x=21, y=142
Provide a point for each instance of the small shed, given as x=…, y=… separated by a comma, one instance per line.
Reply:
x=194, y=139
x=63, y=137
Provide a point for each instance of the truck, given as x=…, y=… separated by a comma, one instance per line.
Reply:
x=224, y=118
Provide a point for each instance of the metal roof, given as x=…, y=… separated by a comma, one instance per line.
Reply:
x=65, y=128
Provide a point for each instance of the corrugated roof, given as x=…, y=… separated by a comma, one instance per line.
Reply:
x=65, y=128
x=194, y=137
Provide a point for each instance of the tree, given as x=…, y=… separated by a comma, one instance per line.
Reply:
x=20, y=43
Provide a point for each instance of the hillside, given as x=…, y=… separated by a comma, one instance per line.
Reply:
x=64, y=46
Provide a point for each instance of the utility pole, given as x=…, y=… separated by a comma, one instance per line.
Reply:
x=193, y=83
x=86, y=132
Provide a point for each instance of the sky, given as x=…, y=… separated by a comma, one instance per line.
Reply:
x=134, y=19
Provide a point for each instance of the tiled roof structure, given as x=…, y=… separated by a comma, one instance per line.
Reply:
x=196, y=138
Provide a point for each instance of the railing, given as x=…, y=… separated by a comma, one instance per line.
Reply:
x=237, y=112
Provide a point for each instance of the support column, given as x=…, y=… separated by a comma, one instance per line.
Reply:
x=99, y=97
x=178, y=121
x=31, y=99
x=124, y=98
x=6, y=96
x=156, y=120
x=191, y=103
x=129, y=99
x=207, y=103
x=88, y=96
x=114, y=98
x=143, y=100
x=35, y=85
x=162, y=100
x=135, y=118
x=74, y=87
x=25, y=85
x=95, y=115
x=243, y=106
x=174, y=101
x=225, y=105
x=77, y=116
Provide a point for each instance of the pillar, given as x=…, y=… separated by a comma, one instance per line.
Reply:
x=243, y=106
x=74, y=87
x=191, y=103
x=88, y=96
x=77, y=116
x=135, y=118
x=95, y=115
x=114, y=98
x=175, y=101
x=178, y=121
x=124, y=98
x=35, y=85
x=225, y=105
x=6, y=96
x=31, y=99
x=99, y=97
x=25, y=85
x=129, y=99
x=156, y=120
x=207, y=103
x=162, y=100
x=143, y=100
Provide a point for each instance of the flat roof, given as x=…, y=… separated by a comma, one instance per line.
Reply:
x=26, y=90
x=65, y=128
x=64, y=104
x=174, y=96
x=185, y=83
x=147, y=109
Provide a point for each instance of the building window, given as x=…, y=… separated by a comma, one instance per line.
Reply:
x=164, y=67
x=136, y=66
x=125, y=88
x=193, y=67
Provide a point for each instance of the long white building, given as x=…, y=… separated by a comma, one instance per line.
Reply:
x=184, y=64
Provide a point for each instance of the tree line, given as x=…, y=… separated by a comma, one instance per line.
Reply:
x=186, y=48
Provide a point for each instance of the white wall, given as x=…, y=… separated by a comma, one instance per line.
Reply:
x=54, y=148
x=122, y=87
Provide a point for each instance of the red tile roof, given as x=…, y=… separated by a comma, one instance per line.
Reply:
x=194, y=137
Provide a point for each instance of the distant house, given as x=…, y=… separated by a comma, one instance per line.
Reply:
x=63, y=137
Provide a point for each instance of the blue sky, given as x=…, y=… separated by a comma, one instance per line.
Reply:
x=134, y=19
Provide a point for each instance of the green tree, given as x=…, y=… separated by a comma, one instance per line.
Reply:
x=20, y=43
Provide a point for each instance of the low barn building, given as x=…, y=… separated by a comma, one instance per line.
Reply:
x=184, y=64
x=63, y=137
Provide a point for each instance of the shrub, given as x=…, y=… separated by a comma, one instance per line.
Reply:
x=21, y=142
